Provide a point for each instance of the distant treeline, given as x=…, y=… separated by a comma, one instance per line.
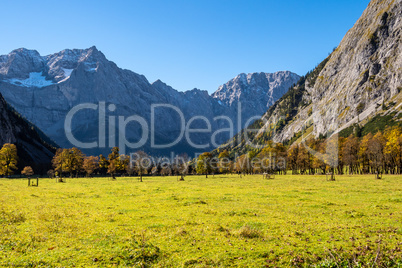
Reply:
x=371, y=154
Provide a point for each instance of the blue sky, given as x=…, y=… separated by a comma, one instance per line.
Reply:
x=185, y=43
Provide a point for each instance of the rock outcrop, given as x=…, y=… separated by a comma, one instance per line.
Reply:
x=361, y=79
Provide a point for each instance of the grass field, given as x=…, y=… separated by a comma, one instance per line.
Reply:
x=216, y=222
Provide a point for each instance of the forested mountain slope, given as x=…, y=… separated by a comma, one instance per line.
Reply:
x=31, y=145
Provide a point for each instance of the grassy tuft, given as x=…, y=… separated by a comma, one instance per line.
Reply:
x=248, y=232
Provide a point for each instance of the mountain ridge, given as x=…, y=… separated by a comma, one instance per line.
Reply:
x=45, y=88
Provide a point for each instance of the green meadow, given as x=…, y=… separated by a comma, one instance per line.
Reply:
x=219, y=221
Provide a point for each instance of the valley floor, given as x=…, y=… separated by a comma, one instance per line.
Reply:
x=216, y=222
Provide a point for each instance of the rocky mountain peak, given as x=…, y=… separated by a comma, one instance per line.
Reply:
x=20, y=62
x=24, y=67
x=160, y=84
x=248, y=87
x=61, y=65
x=25, y=52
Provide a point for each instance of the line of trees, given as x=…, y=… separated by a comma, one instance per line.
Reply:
x=372, y=154
x=271, y=159
x=75, y=163
x=380, y=153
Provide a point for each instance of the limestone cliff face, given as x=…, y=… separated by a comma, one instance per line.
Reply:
x=363, y=71
x=350, y=86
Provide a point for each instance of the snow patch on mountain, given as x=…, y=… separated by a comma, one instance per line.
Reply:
x=36, y=79
x=91, y=66
x=67, y=74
